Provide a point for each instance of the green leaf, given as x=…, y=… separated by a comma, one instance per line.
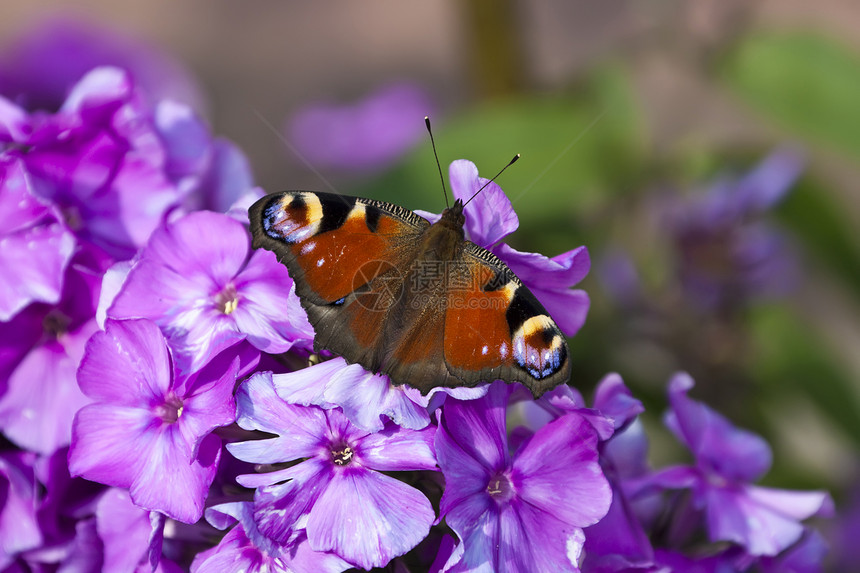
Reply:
x=807, y=83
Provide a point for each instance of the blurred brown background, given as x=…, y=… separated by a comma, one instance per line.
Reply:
x=268, y=57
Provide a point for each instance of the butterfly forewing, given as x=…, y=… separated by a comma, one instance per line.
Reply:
x=333, y=244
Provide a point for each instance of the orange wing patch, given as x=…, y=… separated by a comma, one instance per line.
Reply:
x=321, y=235
x=477, y=334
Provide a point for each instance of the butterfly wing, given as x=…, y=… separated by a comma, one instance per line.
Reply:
x=495, y=328
x=356, y=266
x=415, y=333
x=344, y=254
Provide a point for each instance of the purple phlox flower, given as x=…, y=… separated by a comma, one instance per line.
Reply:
x=618, y=542
x=428, y=556
x=846, y=529
x=725, y=251
x=239, y=208
x=719, y=448
x=113, y=280
x=17, y=337
x=805, y=556
x=101, y=161
x=65, y=516
x=729, y=560
x=149, y=428
x=14, y=123
x=620, y=278
x=83, y=552
x=245, y=549
x=370, y=134
x=764, y=521
x=490, y=218
x=227, y=185
x=140, y=132
x=209, y=173
x=42, y=395
x=337, y=496
x=437, y=396
x=19, y=528
x=614, y=407
x=131, y=536
x=447, y=546
x=523, y=511
x=613, y=399
x=199, y=281
x=730, y=200
x=35, y=247
x=620, y=537
x=43, y=534
x=550, y=280
x=365, y=398
x=534, y=414
x=39, y=69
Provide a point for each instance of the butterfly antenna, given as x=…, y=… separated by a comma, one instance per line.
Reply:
x=511, y=162
x=436, y=155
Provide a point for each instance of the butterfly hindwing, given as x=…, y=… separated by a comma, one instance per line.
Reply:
x=495, y=328
x=415, y=334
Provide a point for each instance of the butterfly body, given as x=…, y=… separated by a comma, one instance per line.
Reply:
x=385, y=288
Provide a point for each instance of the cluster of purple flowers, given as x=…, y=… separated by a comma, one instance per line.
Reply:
x=155, y=393
x=724, y=253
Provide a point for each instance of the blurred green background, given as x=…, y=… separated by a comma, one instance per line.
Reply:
x=611, y=105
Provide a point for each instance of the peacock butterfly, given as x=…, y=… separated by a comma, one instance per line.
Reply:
x=385, y=288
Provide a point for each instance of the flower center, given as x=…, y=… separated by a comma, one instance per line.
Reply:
x=55, y=324
x=342, y=456
x=72, y=216
x=500, y=487
x=227, y=300
x=171, y=410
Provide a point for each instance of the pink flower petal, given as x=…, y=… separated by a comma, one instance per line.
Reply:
x=110, y=443
x=268, y=310
x=300, y=430
x=35, y=248
x=489, y=216
x=171, y=483
x=363, y=397
x=550, y=281
x=719, y=447
x=563, y=455
x=19, y=526
x=280, y=508
x=128, y=363
x=394, y=449
x=124, y=530
x=478, y=548
x=478, y=427
x=37, y=411
x=531, y=539
x=368, y=518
